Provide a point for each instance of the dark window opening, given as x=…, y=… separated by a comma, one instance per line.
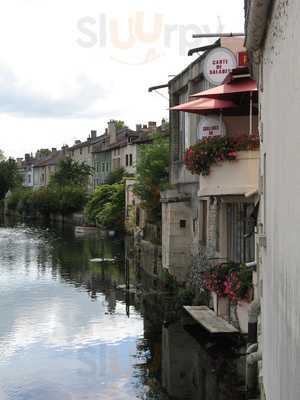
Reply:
x=182, y=223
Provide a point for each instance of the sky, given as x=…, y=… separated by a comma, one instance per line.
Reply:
x=67, y=66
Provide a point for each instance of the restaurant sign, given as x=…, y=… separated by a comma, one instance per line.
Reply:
x=210, y=125
x=218, y=64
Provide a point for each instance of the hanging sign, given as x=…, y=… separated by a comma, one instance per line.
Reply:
x=218, y=63
x=211, y=125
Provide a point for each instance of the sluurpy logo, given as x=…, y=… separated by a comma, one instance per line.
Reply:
x=131, y=42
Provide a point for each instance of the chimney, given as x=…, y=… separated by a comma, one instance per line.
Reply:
x=138, y=127
x=77, y=142
x=152, y=125
x=65, y=148
x=27, y=157
x=145, y=126
x=93, y=134
x=54, y=150
x=112, y=132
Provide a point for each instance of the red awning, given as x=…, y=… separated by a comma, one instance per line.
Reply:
x=204, y=105
x=240, y=86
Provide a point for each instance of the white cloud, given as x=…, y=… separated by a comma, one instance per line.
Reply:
x=38, y=41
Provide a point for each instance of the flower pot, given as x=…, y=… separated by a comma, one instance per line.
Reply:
x=223, y=309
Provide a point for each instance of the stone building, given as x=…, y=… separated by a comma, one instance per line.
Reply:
x=45, y=167
x=272, y=38
x=82, y=153
x=189, y=213
x=118, y=148
x=25, y=167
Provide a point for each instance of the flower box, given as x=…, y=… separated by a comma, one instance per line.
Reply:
x=239, y=177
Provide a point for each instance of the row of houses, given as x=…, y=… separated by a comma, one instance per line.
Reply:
x=117, y=148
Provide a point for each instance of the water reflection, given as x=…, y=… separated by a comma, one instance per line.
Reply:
x=57, y=342
x=68, y=332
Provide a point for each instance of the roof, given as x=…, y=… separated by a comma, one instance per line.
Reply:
x=53, y=159
x=89, y=142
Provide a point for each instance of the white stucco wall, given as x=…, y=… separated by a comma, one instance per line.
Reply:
x=280, y=112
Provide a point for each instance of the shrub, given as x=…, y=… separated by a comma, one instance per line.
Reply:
x=71, y=198
x=106, y=207
x=152, y=175
x=211, y=150
x=115, y=176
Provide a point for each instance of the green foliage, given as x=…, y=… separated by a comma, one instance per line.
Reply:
x=44, y=152
x=120, y=124
x=9, y=176
x=115, y=176
x=48, y=200
x=71, y=172
x=19, y=199
x=152, y=175
x=106, y=207
x=71, y=198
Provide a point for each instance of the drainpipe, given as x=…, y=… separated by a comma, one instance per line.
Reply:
x=253, y=355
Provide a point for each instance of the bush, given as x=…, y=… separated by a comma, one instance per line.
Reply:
x=152, y=175
x=45, y=201
x=20, y=200
x=71, y=199
x=115, y=176
x=106, y=207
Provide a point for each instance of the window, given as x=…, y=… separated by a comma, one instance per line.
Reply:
x=126, y=160
x=182, y=223
x=103, y=167
x=80, y=150
x=29, y=178
x=107, y=167
x=130, y=159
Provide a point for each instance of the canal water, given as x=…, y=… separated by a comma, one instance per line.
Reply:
x=69, y=331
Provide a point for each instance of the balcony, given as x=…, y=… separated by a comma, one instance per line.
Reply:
x=238, y=177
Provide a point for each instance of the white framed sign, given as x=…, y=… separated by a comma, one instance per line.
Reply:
x=218, y=63
x=211, y=125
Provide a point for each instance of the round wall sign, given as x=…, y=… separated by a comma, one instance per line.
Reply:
x=218, y=63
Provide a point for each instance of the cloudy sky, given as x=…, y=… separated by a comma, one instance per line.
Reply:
x=68, y=66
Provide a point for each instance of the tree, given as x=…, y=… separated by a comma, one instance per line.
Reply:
x=152, y=175
x=115, y=176
x=2, y=156
x=71, y=199
x=120, y=124
x=106, y=206
x=71, y=172
x=9, y=176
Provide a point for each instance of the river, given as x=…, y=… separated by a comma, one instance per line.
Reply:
x=68, y=331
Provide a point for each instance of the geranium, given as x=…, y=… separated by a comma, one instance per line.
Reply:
x=232, y=280
x=211, y=150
